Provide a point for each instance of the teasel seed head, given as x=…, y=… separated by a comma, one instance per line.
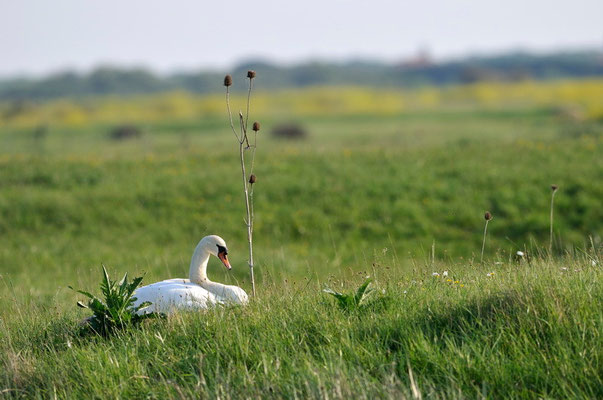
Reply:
x=252, y=179
x=256, y=126
x=251, y=74
x=227, y=80
x=487, y=216
x=554, y=188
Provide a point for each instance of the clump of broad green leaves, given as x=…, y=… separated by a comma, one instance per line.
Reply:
x=352, y=301
x=117, y=310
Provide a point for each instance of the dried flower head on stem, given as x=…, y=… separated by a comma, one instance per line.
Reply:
x=244, y=145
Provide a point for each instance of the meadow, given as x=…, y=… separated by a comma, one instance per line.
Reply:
x=388, y=185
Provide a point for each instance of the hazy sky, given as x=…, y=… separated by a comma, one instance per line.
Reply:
x=47, y=35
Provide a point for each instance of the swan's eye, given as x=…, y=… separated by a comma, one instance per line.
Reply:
x=222, y=249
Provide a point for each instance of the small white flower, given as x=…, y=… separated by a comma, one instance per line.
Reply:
x=445, y=273
x=382, y=291
x=405, y=292
x=490, y=274
x=68, y=343
x=563, y=268
x=435, y=274
x=593, y=263
x=520, y=253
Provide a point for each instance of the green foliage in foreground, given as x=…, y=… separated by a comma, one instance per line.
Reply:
x=116, y=311
x=526, y=331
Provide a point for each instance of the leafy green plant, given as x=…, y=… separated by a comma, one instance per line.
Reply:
x=117, y=310
x=352, y=301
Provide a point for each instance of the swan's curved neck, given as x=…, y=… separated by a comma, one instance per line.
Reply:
x=197, y=272
x=198, y=269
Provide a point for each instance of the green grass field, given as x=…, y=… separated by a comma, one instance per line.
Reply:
x=396, y=197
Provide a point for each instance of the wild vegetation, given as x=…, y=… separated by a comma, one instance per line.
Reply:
x=394, y=194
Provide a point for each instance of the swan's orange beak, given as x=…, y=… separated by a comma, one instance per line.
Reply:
x=224, y=258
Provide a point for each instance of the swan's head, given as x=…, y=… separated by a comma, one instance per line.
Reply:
x=217, y=247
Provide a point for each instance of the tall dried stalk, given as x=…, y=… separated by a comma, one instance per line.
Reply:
x=487, y=217
x=554, y=190
x=244, y=145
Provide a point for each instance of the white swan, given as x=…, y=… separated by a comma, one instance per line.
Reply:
x=197, y=291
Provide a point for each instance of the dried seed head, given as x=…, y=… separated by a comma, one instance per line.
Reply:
x=227, y=80
x=251, y=74
x=554, y=188
x=256, y=126
x=487, y=216
x=252, y=179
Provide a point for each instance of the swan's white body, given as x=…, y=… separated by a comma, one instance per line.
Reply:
x=197, y=291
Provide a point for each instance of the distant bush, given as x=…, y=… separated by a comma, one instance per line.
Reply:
x=122, y=132
x=289, y=131
x=40, y=132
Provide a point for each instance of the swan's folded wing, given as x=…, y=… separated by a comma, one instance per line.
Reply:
x=168, y=296
x=231, y=295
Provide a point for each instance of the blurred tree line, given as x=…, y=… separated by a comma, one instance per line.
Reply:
x=412, y=73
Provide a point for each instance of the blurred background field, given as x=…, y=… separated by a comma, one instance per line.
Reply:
x=134, y=182
x=573, y=99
